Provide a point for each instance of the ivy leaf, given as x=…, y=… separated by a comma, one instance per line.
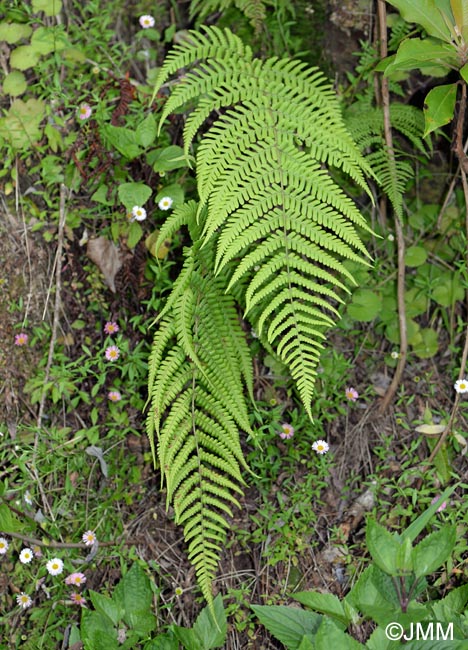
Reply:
x=439, y=107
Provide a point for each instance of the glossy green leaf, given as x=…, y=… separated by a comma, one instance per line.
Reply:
x=424, y=55
x=424, y=13
x=439, y=107
x=460, y=12
x=464, y=72
x=433, y=550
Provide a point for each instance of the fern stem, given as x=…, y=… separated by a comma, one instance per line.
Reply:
x=390, y=394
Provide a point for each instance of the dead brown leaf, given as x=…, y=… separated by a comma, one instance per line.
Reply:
x=106, y=256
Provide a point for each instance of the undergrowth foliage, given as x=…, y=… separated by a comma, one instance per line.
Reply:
x=271, y=232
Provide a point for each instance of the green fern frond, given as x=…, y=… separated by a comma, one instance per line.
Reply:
x=366, y=123
x=198, y=367
x=265, y=198
x=254, y=10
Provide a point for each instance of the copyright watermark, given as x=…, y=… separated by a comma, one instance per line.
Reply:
x=420, y=631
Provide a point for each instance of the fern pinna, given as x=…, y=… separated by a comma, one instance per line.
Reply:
x=273, y=229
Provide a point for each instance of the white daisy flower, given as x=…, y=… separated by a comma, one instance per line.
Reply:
x=55, y=566
x=138, y=213
x=461, y=386
x=3, y=546
x=165, y=203
x=24, y=600
x=146, y=21
x=320, y=446
x=26, y=556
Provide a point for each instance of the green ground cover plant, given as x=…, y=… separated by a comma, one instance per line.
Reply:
x=206, y=233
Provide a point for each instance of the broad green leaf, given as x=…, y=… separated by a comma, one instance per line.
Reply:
x=423, y=54
x=288, y=624
x=449, y=290
x=124, y=140
x=187, y=637
x=460, y=12
x=454, y=603
x=174, y=191
x=135, y=233
x=426, y=14
x=20, y=127
x=383, y=547
x=169, y=158
x=24, y=57
x=146, y=131
x=415, y=256
x=100, y=195
x=305, y=644
x=49, y=7
x=212, y=632
x=97, y=631
x=439, y=107
x=134, y=194
x=329, y=636
x=14, y=83
x=134, y=591
x=428, y=346
x=416, y=302
x=105, y=605
x=365, y=305
x=433, y=551
x=464, y=72
x=404, y=559
x=324, y=603
x=14, y=32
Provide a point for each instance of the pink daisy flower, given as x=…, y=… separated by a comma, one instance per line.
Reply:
x=111, y=327
x=287, y=431
x=84, y=112
x=75, y=579
x=78, y=599
x=21, y=339
x=351, y=394
x=442, y=506
x=112, y=353
x=114, y=396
